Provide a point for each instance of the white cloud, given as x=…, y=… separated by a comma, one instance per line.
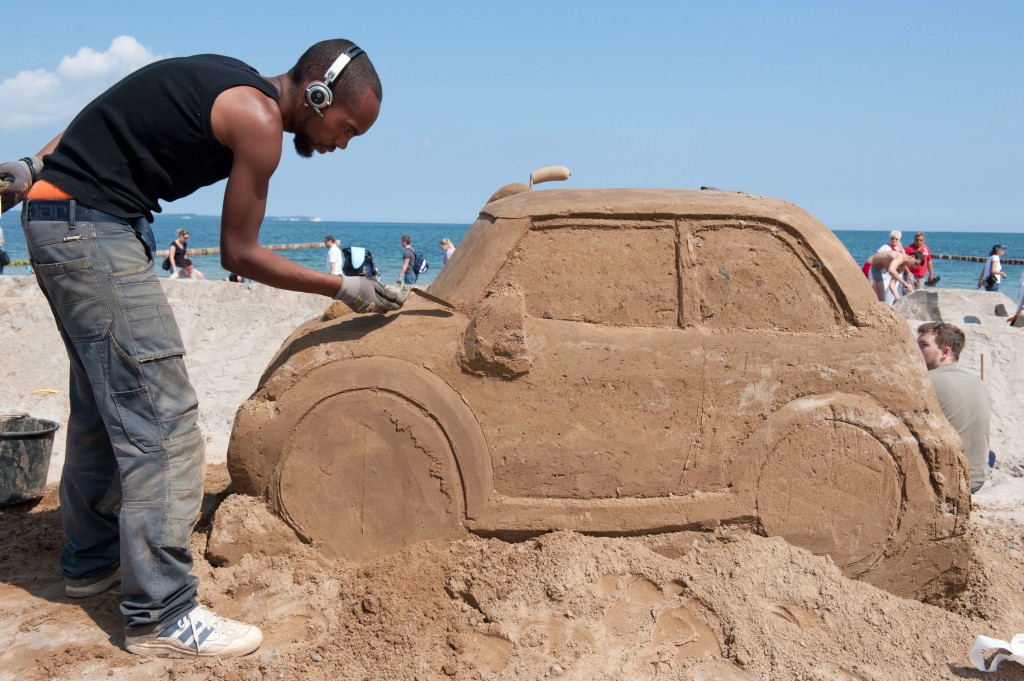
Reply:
x=40, y=98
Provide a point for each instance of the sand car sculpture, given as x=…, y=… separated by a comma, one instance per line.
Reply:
x=620, y=362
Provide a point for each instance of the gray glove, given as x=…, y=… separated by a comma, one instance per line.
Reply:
x=16, y=177
x=368, y=295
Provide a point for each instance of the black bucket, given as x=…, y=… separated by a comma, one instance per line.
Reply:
x=25, y=447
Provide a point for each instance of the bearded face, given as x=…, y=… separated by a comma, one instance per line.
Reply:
x=303, y=144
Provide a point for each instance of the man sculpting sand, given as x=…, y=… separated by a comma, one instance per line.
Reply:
x=898, y=265
x=133, y=475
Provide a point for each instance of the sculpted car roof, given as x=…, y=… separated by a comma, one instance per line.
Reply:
x=651, y=202
x=503, y=221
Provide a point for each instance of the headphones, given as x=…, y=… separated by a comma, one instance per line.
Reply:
x=318, y=94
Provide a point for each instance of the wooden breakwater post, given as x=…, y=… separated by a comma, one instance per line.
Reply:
x=975, y=258
x=270, y=247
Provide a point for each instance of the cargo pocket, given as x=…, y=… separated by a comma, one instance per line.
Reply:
x=155, y=400
x=76, y=295
x=149, y=317
x=186, y=461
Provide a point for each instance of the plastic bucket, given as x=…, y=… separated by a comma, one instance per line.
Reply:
x=25, y=447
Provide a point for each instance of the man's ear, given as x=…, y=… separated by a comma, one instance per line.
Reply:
x=947, y=353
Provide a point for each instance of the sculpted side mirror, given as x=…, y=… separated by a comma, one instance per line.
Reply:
x=495, y=340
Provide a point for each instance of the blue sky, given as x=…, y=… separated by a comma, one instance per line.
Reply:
x=870, y=115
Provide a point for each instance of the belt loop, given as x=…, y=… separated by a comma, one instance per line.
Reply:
x=71, y=213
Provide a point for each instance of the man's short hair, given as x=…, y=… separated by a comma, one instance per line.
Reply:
x=946, y=336
x=918, y=256
x=406, y=240
x=358, y=76
x=329, y=239
x=919, y=234
x=186, y=262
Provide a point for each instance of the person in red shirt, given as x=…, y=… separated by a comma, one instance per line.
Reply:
x=925, y=272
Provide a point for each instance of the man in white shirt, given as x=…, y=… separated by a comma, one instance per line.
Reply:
x=333, y=256
x=187, y=271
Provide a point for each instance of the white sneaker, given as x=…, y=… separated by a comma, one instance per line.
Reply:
x=200, y=633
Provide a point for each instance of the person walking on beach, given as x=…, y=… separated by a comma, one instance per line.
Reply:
x=992, y=273
x=333, y=256
x=449, y=249
x=895, y=264
x=177, y=251
x=134, y=466
x=924, y=273
x=963, y=397
x=408, y=274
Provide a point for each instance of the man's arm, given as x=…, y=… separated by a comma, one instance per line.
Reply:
x=17, y=177
x=894, y=272
x=405, y=265
x=249, y=123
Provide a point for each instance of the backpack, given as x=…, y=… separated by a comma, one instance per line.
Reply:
x=358, y=262
x=419, y=263
x=5, y=259
x=166, y=264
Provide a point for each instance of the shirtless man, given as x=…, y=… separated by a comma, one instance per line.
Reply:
x=896, y=264
x=132, y=482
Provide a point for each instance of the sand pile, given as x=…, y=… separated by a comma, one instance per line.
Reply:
x=723, y=605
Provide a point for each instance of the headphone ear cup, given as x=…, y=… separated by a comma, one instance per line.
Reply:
x=319, y=96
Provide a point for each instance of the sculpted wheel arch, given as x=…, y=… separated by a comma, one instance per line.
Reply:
x=372, y=454
x=861, y=506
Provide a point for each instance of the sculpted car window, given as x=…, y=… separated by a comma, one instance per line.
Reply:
x=756, y=278
x=615, y=273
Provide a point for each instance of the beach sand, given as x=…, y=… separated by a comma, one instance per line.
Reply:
x=716, y=605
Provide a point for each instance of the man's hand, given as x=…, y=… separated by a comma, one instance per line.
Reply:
x=366, y=295
x=16, y=177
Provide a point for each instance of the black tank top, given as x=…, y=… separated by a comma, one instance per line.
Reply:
x=149, y=137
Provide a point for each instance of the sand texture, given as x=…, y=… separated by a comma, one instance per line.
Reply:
x=723, y=603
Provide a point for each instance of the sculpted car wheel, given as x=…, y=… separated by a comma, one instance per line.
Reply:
x=367, y=473
x=837, y=475
x=846, y=506
x=374, y=454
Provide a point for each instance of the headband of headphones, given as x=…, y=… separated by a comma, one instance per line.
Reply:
x=318, y=94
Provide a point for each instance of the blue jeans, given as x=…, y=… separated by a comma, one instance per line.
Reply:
x=133, y=472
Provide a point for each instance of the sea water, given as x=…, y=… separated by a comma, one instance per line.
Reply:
x=383, y=239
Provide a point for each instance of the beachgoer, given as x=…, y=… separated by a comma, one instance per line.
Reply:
x=895, y=263
x=187, y=271
x=333, y=256
x=161, y=133
x=449, y=248
x=177, y=251
x=992, y=273
x=408, y=275
x=963, y=397
x=895, y=243
x=235, y=279
x=1020, y=300
x=924, y=273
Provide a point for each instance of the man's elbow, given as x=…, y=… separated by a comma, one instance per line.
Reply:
x=238, y=261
